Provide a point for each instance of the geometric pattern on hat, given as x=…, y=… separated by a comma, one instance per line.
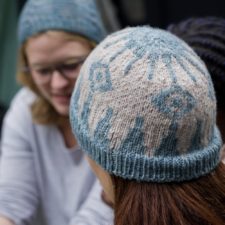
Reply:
x=144, y=108
x=75, y=16
x=174, y=102
x=155, y=44
x=100, y=77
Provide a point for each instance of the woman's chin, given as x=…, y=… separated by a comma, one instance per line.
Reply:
x=62, y=109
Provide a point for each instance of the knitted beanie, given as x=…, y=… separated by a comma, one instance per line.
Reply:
x=77, y=16
x=207, y=37
x=144, y=108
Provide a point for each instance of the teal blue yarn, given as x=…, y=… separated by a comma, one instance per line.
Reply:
x=135, y=138
x=158, y=169
x=180, y=102
x=75, y=16
x=100, y=80
x=146, y=112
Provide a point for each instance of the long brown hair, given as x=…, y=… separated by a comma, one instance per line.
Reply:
x=42, y=111
x=196, y=202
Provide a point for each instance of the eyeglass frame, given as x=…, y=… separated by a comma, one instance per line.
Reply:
x=56, y=67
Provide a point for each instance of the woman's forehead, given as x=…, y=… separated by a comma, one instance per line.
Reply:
x=46, y=48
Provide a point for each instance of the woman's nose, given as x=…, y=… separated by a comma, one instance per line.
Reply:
x=58, y=80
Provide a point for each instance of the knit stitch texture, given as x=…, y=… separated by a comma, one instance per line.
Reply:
x=76, y=16
x=144, y=108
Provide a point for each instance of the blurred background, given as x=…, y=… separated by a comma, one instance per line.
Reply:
x=116, y=14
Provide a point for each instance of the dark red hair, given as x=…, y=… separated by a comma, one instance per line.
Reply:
x=197, y=202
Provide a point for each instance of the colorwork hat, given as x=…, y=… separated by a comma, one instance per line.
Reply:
x=144, y=108
x=76, y=16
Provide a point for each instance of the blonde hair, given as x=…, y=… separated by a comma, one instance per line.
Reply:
x=42, y=111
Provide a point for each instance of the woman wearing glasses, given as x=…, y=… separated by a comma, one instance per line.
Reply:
x=41, y=164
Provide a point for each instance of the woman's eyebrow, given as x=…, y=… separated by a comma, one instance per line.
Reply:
x=67, y=59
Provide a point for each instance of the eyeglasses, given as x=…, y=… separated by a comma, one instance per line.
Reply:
x=69, y=69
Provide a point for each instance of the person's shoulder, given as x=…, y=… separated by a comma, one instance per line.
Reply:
x=20, y=106
x=23, y=97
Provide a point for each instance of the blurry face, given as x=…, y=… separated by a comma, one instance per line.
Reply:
x=104, y=179
x=54, y=63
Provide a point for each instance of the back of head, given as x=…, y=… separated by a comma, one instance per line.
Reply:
x=207, y=37
x=75, y=16
x=144, y=109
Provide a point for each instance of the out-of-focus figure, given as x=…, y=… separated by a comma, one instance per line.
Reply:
x=41, y=163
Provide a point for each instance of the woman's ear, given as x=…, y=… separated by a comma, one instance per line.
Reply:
x=105, y=199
